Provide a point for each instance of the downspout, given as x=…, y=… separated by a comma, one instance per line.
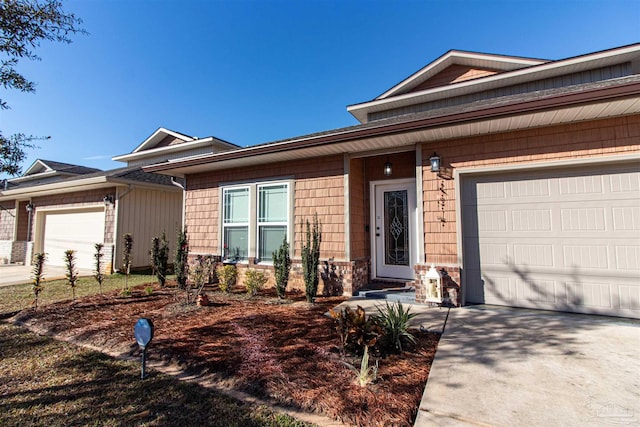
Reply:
x=184, y=199
x=116, y=216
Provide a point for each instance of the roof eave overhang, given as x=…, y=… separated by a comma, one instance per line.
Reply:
x=559, y=109
x=213, y=142
x=79, y=185
x=524, y=75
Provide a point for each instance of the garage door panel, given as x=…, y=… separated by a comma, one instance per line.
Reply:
x=75, y=230
x=565, y=242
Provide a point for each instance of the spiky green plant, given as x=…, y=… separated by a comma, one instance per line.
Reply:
x=311, y=258
x=72, y=272
x=160, y=258
x=126, y=258
x=181, y=261
x=366, y=374
x=38, y=267
x=282, y=267
x=395, y=320
x=97, y=256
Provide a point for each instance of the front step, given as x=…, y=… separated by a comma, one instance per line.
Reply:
x=404, y=294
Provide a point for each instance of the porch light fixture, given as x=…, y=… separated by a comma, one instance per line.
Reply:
x=29, y=207
x=387, y=168
x=435, y=162
x=108, y=200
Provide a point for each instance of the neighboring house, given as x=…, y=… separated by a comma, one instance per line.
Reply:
x=536, y=202
x=56, y=206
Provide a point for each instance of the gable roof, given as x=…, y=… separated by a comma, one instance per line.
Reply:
x=164, y=142
x=401, y=96
x=158, y=136
x=498, y=63
x=122, y=176
x=41, y=165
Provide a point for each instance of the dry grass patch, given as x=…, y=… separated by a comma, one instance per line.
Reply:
x=47, y=382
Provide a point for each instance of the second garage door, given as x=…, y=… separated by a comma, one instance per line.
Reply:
x=563, y=240
x=77, y=230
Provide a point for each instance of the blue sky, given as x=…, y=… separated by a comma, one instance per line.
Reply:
x=257, y=71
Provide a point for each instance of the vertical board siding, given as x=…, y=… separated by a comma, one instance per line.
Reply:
x=564, y=142
x=358, y=210
x=145, y=214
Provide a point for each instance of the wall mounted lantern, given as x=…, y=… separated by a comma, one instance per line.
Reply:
x=387, y=168
x=29, y=207
x=108, y=200
x=435, y=162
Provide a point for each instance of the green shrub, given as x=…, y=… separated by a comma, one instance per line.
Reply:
x=254, y=280
x=181, y=265
x=394, y=320
x=311, y=258
x=160, y=258
x=226, y=277
x=126, y=258
x=282, y=267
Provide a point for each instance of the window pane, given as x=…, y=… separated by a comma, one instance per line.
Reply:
x=270, y=240
x=236, y=205
x=273, y=203
x=236, y=242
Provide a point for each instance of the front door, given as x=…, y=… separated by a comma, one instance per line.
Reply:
x=394, y=220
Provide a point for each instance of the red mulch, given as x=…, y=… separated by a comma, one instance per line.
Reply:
x=286, y=352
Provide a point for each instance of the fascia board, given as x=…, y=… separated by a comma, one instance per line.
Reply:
x=80, y=185
x=38, y=162
x=175, y=149
x=34, y=176
x=166, y=132
x=546, y=70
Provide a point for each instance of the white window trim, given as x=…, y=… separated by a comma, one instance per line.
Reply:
x=223, y=226
x=253, y=214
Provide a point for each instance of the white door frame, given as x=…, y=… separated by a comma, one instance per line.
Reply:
x=410, y=186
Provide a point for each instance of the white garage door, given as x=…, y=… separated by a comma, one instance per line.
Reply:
x=79, y=231
x=564, y=240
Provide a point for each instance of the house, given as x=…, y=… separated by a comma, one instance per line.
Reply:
x=57, y=206
x=518, y=179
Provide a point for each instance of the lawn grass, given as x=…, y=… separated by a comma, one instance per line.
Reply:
x=18, y=297
x=52, y=383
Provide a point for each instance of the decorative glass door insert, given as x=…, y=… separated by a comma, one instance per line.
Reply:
x=396, y=228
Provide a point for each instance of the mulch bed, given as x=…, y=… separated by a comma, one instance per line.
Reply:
x=287, y=352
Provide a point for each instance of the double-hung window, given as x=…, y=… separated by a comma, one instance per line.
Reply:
x=273, y=218
x=235, y=222
x=255, y=219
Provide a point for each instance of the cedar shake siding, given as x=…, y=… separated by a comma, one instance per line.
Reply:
x=565, y=142
x=318, y=188
x=7, y=219
x=454, y=74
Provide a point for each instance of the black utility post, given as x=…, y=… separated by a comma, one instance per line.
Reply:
x=143, y=331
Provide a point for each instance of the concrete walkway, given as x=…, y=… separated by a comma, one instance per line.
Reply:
x=14, y=274
x=505, y=367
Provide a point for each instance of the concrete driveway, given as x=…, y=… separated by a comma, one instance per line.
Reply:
x=13, y=274
x=500, y=366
